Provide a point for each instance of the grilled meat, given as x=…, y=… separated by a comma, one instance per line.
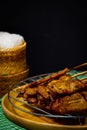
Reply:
x=64, y=85
x=68, y=86
x=53, y=76
x=59, y=93
x=75, y=103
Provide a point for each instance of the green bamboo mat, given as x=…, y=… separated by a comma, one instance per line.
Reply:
x=6, y=124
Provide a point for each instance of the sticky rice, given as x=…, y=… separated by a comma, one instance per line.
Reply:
x=13, y=66
x=10, y=40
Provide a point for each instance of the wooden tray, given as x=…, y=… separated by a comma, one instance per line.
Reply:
x=32, y=122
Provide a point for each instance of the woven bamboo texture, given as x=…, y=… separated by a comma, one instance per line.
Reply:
x=13, y=60
x=7, y=81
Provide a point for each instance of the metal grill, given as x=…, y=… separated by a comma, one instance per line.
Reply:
x=35, y=110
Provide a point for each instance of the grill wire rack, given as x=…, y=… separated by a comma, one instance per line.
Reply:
x=39, y=112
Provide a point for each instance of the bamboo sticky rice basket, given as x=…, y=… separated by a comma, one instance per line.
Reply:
x=6, y=81
x=13, y=60
x=13, y=67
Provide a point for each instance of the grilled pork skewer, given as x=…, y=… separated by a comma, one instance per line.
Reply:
x=48, y=92
x=56, y=75
x=46, y=79
x=64, y=85
x=56, y=99
x=75, y=103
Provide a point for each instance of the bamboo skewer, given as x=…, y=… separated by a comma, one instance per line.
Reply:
x=79, y=74
x=79, y=66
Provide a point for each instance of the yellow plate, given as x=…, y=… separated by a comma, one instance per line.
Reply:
x=33, y=122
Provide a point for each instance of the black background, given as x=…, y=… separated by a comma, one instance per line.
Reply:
x=55, y=32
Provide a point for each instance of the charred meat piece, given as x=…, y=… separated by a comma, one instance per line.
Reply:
x=29, y=92
x=66, y=86
x=75, y=103
x=44, y=91
x=48, y=78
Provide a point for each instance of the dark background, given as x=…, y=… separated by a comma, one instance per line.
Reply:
x=55, y=32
